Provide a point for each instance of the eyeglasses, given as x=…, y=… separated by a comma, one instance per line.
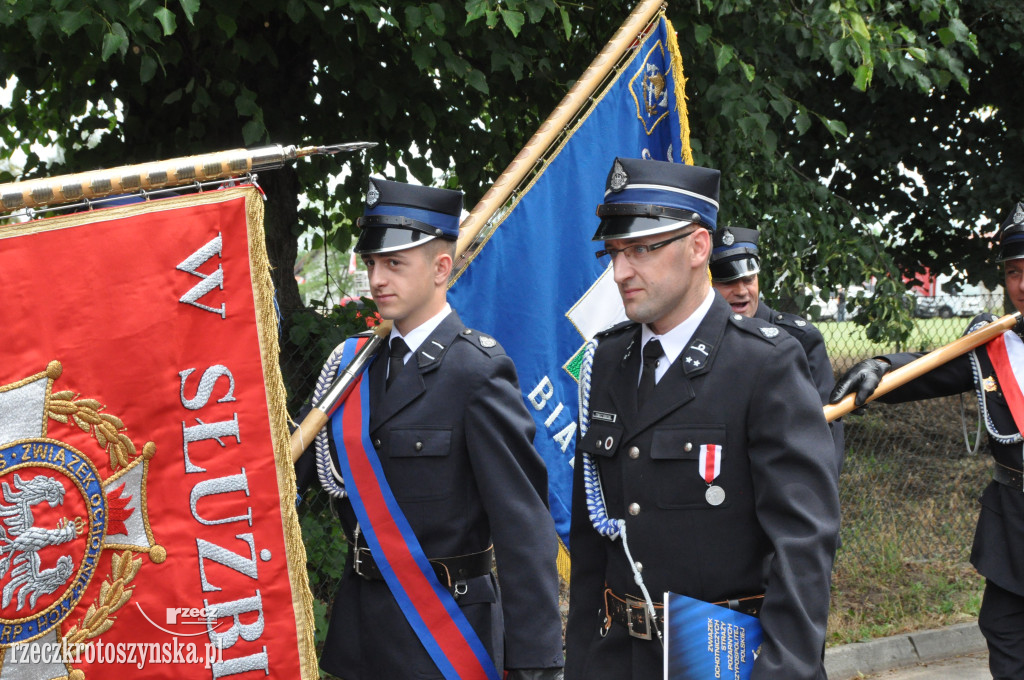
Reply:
x=638, y=253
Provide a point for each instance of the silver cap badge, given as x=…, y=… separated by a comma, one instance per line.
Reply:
x=727, y=238
x=619, y=177
x=372, y=196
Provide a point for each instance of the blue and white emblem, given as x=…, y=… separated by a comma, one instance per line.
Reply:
x=372, y=195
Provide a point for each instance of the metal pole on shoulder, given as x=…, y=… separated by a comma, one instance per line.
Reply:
x=922, y=365
x=623, y=40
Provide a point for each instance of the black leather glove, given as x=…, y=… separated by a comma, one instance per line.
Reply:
x=863, y=378
x=535, y=674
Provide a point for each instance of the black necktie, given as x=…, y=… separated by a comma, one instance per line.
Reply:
x=398, y=351
x=652, y=352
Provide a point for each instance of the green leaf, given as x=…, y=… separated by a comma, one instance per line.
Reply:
x=477, y=80
x=475, y=9
x=147, y=68
x=960, y=30
x=803, y=122
x=423, y=56
x=413, y=18
x=115, y=41
x=723, y=55
x=190, y=7
x=566, y=23
x=946, y=36
x=253, y=132
x=514, y=20
x=296, y=10
x=859, y=27
x=227, y=24
x=748, y=71
x=134, y=5
x=173, y=97
x=862, y=77
x=37, y=24
x=836, y=127
x=70, y=22
x=783, y=107
x=166, y=19
x=701, y=33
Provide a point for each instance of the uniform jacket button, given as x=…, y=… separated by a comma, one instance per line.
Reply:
x=376, y=442
x=688, y=447
x=634, y=509
x=639, y=567
x=419, y=446
x=634, y=452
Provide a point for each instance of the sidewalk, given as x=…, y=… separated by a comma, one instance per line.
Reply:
x=936, y=648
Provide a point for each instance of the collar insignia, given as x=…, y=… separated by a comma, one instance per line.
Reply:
x=989, y=384
x=769, y=331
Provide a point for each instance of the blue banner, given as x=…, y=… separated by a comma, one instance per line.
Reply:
x=536, y=285
x=704, y=640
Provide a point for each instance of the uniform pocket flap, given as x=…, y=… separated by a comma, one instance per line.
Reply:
x=420, y=442
x=601, y=439
x=684, y=443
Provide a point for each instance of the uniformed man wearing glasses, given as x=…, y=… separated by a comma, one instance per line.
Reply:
x=699, y=469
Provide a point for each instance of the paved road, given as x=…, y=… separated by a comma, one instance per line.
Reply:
x=971, y=667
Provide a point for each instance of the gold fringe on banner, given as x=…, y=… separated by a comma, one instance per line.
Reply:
x=679, y=80
x=263, y=294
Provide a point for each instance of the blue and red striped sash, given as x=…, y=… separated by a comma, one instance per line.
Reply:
x=428, y=606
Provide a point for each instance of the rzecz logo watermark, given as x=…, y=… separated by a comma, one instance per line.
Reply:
x=98, y=652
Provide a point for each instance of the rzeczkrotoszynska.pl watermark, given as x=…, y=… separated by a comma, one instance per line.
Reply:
x=97, y=651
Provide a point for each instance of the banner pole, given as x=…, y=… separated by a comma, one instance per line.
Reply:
x=623, y=39
x=54, y=191
x=923, y=364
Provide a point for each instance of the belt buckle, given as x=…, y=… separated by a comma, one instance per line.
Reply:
x=641, y=614
x=358, y=562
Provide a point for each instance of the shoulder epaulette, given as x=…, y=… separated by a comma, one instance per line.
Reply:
x=979, y=321
x=485, y=342
x=616, y=328
x=791, y=320
x=754, y=326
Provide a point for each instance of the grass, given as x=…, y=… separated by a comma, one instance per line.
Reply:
x=909, y=500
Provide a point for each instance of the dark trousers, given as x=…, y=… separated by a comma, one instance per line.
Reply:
x=1002, y=623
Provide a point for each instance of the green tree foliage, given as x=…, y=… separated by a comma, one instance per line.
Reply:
x=807, y=107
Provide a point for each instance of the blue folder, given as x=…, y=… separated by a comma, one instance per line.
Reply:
x=704, y=641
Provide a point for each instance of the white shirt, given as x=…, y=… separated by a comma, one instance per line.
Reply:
x=417, y=335
x=675, y=341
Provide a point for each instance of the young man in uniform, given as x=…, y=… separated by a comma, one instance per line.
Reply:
x=448, y=422
x=702, y=448
x=993, y=372
x=735, y=265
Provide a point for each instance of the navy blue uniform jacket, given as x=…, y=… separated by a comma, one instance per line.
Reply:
x=744, y=385
x=811, y=340
x=456, y=444
x=998, y=551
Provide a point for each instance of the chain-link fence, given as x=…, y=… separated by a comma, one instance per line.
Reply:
x=912, y=474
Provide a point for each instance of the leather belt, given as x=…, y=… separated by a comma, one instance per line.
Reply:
x=1008, y=476
x=632, y=612
x=449, y=570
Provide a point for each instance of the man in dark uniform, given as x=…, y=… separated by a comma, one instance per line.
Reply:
x=992, y=372
x=735, y=265
x=690, y=380
x=448, y=422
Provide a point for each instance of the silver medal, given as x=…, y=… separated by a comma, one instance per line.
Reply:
x=715, y=495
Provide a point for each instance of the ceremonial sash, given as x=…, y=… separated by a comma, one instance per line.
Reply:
x=428, y=606
x=1007, y=355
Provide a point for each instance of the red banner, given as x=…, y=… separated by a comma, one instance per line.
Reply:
x=147, y=501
